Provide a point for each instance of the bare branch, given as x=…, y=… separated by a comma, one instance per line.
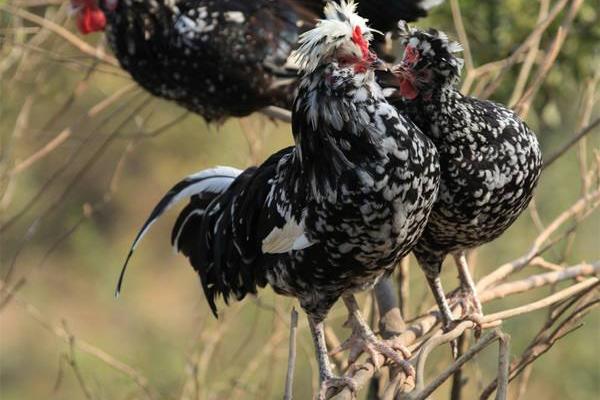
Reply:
x=85, y=347
x=537, y=281
x=507, y=269
x=65, y=34
x=504, y=359
x=462, y=34
x=278, y=114
x=503, y=65
x=522, y=107
x=576, y=138
x=547, y=337
x=421, y=328
x=442, y=339
x=289, y=378
x=545, y=302
x=67, y=132
x=530, y=58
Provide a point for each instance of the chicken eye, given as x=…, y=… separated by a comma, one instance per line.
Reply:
x=345, y=60
x=424, y=75
x=411, y=55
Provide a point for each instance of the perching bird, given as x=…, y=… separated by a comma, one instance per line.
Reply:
x=490, y=160
x=327, y=217
x=219, y=58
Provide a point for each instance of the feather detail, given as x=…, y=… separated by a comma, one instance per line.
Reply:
x=287, y=238
x=211, y=181
x=338, y=28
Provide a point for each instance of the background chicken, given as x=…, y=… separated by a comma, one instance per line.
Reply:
x=327, y=217
x=219, y=58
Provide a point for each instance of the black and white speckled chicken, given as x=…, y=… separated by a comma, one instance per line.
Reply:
x=324, y=218
x=219, y=58
x=490, y=160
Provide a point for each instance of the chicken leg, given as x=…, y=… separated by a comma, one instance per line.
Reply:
x=467, y=296
x=327, y=379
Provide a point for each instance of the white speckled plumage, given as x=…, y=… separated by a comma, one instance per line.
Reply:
x=489, y=158
x=324, y=218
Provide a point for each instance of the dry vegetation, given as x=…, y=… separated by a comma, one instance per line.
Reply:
x=78, y=140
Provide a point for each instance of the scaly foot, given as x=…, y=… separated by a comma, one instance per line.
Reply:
x=471, y=309
x=363, y=339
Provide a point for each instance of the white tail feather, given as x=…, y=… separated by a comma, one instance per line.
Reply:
x=214, y=180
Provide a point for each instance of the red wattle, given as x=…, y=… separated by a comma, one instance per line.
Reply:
x=407, y=90
x=92, y=19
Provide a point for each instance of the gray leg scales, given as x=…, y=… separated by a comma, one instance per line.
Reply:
x=327, y=379
x=471, y=303
x=435, y=284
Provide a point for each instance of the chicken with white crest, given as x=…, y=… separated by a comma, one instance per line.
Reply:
x=327, y=217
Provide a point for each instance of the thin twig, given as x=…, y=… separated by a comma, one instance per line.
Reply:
x=571, y=142
x=85, y=347
x=503, y=65
x=536, y=281
x=65, y=34
x=545, y=302
x=424, y=326
x=547, y=337
x=458, y=381
x=462, y=34
x=507, y=269
x=289, y=378
x=530, y=58
x=469, y=354
x=278, y=113
x=67, y=132
x=504, y=359
x=522, y=107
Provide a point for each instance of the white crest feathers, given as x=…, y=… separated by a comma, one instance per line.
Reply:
x=329, y=33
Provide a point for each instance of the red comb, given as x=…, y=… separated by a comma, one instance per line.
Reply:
x=358, y=38
x=91, y=19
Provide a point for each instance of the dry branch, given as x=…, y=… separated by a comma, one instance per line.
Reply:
x=424, y=326
x=545, y=302
x=278, y=114
x=507, y=269
x=67, y=132
x=390, y=318
x=576, y=138
x=65, y=34
x=424, y=393
x=137, y=377
x=549, y=335
x=289, y=378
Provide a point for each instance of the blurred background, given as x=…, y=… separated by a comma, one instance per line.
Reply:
x=105, y=152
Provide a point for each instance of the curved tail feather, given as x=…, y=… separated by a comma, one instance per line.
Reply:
x=202, y=187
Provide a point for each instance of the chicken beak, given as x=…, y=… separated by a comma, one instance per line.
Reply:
x=379, y=65
x=386, y=78
x=376, y=63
